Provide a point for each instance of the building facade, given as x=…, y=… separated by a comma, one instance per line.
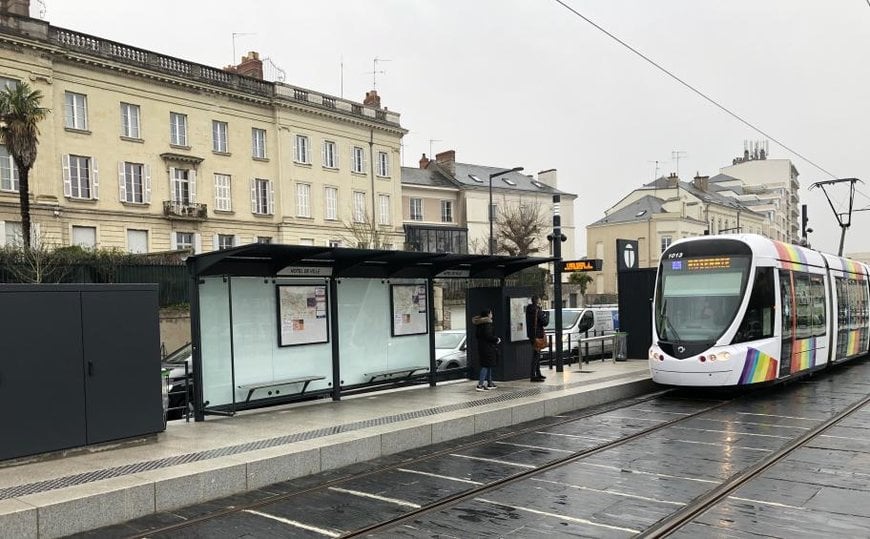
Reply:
x=146, y=152
x=445, y=205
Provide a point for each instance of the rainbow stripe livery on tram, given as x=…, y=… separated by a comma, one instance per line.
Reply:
x=743, y=309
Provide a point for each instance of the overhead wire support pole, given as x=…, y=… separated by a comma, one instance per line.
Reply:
x=844, y=223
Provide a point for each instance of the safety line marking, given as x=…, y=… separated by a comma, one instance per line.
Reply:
x=437, y=476
x=641, y=472
x=632, y=418
x=525, y=446
x=494, y=461
x=754, y=423
x=844, y=438
x=556, y=515
x=361, y=494
x=720, y=445
x=781, y=416
x=734, y=433
x=613, y=492
x=294, y=523
x=595, y=438
x=772, y=504
x=652, y=411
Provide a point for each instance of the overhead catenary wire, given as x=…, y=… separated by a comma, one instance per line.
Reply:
x=695, y=90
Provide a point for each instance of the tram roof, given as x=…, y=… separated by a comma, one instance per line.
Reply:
x=268, y=260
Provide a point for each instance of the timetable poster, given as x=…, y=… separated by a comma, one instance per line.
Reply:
x=302, y=314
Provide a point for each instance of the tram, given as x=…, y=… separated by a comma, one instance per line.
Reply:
x=739, y=310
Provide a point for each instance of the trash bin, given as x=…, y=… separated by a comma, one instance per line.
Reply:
x=620, y=346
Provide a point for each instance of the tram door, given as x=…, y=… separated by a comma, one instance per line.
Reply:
x=787, y=308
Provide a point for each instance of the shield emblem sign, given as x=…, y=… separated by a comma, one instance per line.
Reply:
x=626, y=255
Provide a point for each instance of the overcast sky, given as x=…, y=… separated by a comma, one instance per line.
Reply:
x=528, y=83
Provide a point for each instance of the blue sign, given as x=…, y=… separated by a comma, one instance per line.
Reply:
x=677, y=265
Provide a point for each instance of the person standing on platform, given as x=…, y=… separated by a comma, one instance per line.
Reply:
x=536, y=319
x=487, y=348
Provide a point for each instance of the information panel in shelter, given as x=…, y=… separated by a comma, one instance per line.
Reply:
x=302, y=314
x=410, y=309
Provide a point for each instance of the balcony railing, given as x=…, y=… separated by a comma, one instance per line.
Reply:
x=185, y=210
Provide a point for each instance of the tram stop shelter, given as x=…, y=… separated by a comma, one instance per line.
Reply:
x=272, y=323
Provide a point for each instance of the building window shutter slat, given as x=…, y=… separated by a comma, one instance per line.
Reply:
x=67, y=182
x=173, y=193
x=197, y=243
x=95, y=183
x=253, y=195
x=192, y=181
x=122, y=181
x=147, y=182
x=271, y=199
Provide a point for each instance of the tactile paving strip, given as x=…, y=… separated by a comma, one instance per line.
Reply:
x=129, y=469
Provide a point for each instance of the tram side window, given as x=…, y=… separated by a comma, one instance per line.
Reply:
x=803, y=300
x=785, y=294
x=817, y=304
x=758, y=321
x=843, y=302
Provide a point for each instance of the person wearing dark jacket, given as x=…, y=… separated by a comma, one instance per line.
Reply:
x=487, y=348
x=536, y=319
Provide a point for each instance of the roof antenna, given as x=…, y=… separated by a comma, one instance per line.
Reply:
x=676, y=155
x=235, y=35
x=374, y=72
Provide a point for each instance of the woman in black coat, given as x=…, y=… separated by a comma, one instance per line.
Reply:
x=536, y=319
x=487, y=348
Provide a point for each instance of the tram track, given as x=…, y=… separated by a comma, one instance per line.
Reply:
x=336, y=486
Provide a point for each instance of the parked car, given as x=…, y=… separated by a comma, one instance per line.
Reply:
x=178, y=369
x=593, y=321
x=450, y=348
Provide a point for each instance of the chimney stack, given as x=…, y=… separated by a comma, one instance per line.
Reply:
x=447, y=160
x=424, y=161
x=250, y=66
x=548, y=177
x=372, y=99
x=701, y=183
x=673, y=180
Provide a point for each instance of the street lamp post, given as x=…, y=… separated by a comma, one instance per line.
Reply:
x=491, y=176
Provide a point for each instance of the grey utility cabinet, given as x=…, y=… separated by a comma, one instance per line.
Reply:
x=79, y=365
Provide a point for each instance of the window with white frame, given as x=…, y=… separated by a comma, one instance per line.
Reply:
x=358, y=158
x=306, y=241
x=330, y=157
x=383, y=164
x=416, y=209
x=223, y=195
x=14, y=233
x=177, y=129
x=84, y=236
x=76, y=111
x=359, y=207
x=6, y=82
x=334, y=243
x=184, y=240
x=446, y=211
x=80, y=177
x=183, y=185
x=258, y=143
x=134, y=183
x=666, y=242
x=8, y=171
x=384, y=216
x=137, y=241
x=219, y=136
x=226, y=241
x=303, y=200
x=262, y=197
x=130, y=120
x=330, y=195
x=301, y=150
x=265, y=240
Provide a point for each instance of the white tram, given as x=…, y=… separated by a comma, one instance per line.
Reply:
x=743, y=309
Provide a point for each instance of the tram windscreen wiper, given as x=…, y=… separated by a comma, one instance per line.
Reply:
x=672, y=334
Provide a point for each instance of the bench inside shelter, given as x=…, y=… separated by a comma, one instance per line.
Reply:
x=304, y=380
x=401, y=372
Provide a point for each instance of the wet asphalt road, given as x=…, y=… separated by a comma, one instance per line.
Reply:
x=822, y=489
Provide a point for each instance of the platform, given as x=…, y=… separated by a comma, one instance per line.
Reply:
x=192, y=463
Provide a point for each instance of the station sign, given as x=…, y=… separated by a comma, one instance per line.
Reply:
x=589, y=264
x=454, y=273
x=305, y=271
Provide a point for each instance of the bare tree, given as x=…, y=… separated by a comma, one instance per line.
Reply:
x=519, y=228
x=37, y=263
x=365, y=233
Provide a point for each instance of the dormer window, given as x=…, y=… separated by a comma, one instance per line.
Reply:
x=509, y=182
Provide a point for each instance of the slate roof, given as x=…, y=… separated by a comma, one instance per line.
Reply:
x=431, y=177
x=437, y=176
x=639, y=210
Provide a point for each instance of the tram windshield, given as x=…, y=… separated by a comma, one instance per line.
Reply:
x=698, y=297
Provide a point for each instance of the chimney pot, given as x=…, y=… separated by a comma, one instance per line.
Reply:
x=372, y=99
x=424, y=161
x=447, y=159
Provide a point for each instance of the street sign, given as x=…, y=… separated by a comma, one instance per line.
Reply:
x=590, y=264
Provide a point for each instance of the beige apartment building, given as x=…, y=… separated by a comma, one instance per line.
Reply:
x=146, y=152
x=444, y=205
x=660, y=213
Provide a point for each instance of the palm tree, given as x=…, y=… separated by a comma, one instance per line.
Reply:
x=19, y=115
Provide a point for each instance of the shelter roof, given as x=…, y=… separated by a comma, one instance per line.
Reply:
x=268, y=260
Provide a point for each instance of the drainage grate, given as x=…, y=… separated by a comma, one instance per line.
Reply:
x=129, y=469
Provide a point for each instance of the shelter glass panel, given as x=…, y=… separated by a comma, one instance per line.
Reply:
x=214, y=322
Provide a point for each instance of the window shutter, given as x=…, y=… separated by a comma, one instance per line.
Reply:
x=147, y=183
x=84, y=112
x=363, y=162
x=122, y=181
x=296, y=150
x=323, y=154
x=215, y=242
x=271, y=199
x=2, y=233
x=191, y=175
x=35, y=234
x=173, y=241
x=336, y=155
x=197, y=243
x=253, y=195
x=67, y=183
x=236, y=240
x=95, y=183
x=173, y=195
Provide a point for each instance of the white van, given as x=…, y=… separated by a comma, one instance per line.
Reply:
x=585, y=322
